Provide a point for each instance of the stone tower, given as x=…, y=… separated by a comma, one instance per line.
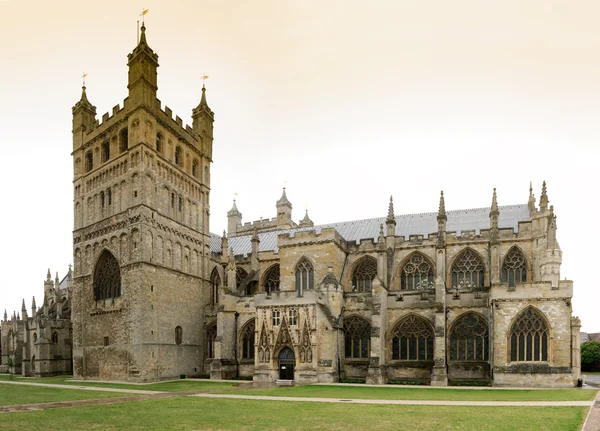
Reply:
x=141, y=233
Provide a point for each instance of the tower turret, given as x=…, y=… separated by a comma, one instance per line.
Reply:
x=203, y=119
x=84, y=118
x=48, y=285
x=284, y=211
x=142, y=81
x=234, y=218
x=306, y=221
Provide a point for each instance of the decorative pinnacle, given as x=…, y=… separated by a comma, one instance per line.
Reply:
x=544, y=197
x=23, y=309
x=255, y=235
x=233, y=212
x=5, y=315
x=48, y=276
x=442, y=208
x=143, y=36
x=283, y=200
x=494, y=210
x=390, y=216
x=33, y=306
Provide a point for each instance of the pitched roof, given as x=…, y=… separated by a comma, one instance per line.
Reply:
x=406, y=225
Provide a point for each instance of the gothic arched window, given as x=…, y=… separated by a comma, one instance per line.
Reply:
x=55, y=337
x=467, y=271
x=240, y=276
x=412, y=339
x=195, y=168
x=363, y=275
x=469, y=340
x=514, y=268
x=305, y=276
x=248, y=340
x=271, y=280
x=159, y=143
x=357, y=338
x=89, y=161
x=178, y=156
x=124, y=145
x=178, y=335
x=107, y=277
x=215, y=283
x=529, y=337
x=417, y=273
x=211, y=335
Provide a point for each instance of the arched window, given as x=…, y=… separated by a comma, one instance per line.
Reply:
x=248, y=340
x=178, y=335
x=215, y=282
x=305, y=276
x=89, y=161
x=55, y=337
x=469, y=339
x=159, y=145
x=363, y=275
x=107, y=277
x=529, y=337
x=195, y=168
x=271, y=280
x=467, y=271
x=211, y=335
x=124, y=144
x=412, y=339
x=514, y=268
x=106, y=151
x=357, y=338
x=240, y=276
x=178, y=156
x=417, y=273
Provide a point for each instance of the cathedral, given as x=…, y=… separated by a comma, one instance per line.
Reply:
x=455, y=297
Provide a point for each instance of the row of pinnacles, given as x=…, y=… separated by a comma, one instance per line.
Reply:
x=40, y=344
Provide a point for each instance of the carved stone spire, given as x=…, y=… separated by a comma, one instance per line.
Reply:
x=441, y=218
x=531, y=201
x=494, y=213
x=5, y=315
x=48, y=276
x=306, y=221
x=224, y=244
x=284, y=211
x=381, y=239
x=255, y=243
x=551, y=243
x=544, y=198
x=234, y=218
x=33, y=307
x=390, y=221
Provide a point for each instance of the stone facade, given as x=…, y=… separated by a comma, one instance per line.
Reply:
x=439, y=298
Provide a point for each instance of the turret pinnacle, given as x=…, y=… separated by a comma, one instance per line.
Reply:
x=33, y=307
x=5, y=315
x=283, y=200
x=494, y=210
x=442, y=208
x=56, y=281
x=494, y=213
x=143, y=35
x=306, y=221
x=23, y=309
x=48, y=276
x=390, y=216
x=531, y=201
x=234, y=211
x=544, y=198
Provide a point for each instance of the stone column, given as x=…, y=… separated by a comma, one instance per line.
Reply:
x=377, y=371
x=576, y=348
x=439, y=374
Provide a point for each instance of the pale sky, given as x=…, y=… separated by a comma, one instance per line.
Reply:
x=345, y=102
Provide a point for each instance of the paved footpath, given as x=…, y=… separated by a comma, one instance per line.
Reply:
x=592, y=422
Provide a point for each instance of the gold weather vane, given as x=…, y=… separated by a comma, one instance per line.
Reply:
x=144, y=12
x=204, y=78
x=83, y=78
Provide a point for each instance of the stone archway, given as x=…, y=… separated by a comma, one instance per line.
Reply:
x=287, y=362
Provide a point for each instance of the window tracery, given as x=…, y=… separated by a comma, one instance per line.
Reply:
x=363, y=275
x=412, y=340
x=248, y=340
x=272, y=279
x=417, y=273
x=240, y=276
x=107, y=277
x=357, y=338
x=514, y=268
x=305, y=276
x=467, y=271
x=215, y=282
x=469, y=339
x=529, y=337
x=211, y=335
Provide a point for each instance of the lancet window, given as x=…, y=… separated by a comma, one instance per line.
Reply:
x=248, y=340
x=240, y=276
x=357, y=338
x=107, y=277
x=467, y=271
x=178, y=335
x=159, y=144
x=412, y=340
x=211, y=335
x=178, y=156
x=514, y=268
x=417, y=273
x=305, y=276
x=469, y=339
x=124, y=145
x=529, y=337
x=271, y=280
x=363, y=275
x=215, y=283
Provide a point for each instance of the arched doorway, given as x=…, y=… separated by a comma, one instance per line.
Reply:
x=287, y=362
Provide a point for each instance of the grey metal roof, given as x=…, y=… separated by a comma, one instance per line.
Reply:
x=406, y=225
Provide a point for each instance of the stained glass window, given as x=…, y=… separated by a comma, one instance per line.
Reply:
x=514, y=268
x=529, y=337
x=412, y=339
x=248, y=340
x=467, y=271
x=469, y=340
x=417, y=273
x=305, y=276
x=271, y=280
x=107, y=277
x=363, y=275
x=357, y=337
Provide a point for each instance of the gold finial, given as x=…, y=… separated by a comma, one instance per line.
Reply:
x=144, y=12
x=83, y=78
x=204, y=78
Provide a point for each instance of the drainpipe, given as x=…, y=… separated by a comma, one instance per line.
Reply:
x=235, y=346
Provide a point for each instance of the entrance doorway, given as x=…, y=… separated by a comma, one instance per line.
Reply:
x=286, y=364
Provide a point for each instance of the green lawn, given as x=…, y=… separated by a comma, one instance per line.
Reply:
x=18, y=394
x=175, y=386
x=387, y=393
x=189, y=413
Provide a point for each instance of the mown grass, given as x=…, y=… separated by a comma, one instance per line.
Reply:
x=175, y=386
x=189, y=413
x=387, y=393
x=17, y=394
